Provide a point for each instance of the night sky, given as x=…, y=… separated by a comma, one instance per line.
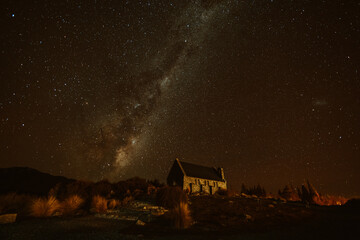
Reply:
x=269, y=90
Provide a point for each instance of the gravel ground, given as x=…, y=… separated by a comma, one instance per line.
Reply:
x=88, y=227
x=220, y=219
x=91, y=227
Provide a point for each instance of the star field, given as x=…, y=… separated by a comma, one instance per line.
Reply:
x=269, y=90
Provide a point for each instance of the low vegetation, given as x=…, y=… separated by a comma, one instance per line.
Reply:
x=255, y=190
x=113, y=203
x=309, y=195
x=81, y=197
x=99, y=204
x=171, y=197
x=45, y=207
x=180, y=216
x=15, y=203
x=71, y=205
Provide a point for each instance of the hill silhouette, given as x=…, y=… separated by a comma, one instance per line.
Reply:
x=24, y=180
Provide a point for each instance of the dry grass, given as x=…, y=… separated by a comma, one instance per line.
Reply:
x=171, y=197
x=328, y=200
x=180, y=216
x=12, y=202
x=99, y=204
x=45, y=207
x=225, y=192
x=71, y=205
x=113, y=203
x=126, y=200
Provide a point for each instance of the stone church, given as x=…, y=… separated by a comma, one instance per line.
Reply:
x=195, y=178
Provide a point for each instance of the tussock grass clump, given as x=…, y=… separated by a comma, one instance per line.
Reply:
x=113, y=203
x=15, y=203
x=72, y=204
x=180, y=216
x=127, y=200
x=99, y=204
x=171, y=197
x=45, y=207
x=328, y=200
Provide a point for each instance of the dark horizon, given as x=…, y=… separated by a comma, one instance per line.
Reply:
x=269, y=90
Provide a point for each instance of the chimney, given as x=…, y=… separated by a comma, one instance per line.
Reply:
x=221, y=173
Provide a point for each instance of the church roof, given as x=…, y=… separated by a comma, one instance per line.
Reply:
x=198, y=171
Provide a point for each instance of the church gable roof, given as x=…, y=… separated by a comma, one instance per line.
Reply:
x=198, y=171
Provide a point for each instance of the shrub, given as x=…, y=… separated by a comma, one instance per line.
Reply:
x=135, y=186
x=99, y=204
x=308, y=193
x=353, y=203
x=329, y=200
x=222, y=192
x=102, y=188
x=255, y=190
x=137, y=183
x=225, y=192
x=289, y=193
x=71, y=204
x=156, y=183
x=180, y=216
x=121, y=189
x=113, y=203
x=80, y=188
x=45, y=207
x=171, y=197
x=126, y=200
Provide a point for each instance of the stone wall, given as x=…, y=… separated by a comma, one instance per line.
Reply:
x=197, y=185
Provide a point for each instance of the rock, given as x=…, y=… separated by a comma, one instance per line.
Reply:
x=353, y=203
x=8, y=218
x=140, y=223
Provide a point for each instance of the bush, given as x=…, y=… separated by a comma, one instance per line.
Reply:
x=45, y=207
x=99, y=204
x=289, y=193
x=80, y=188
x=329, y=200
x=156, y=183
x=126, y=200
x=134, y=186
x=308, y=193
x=137, y=183
x=180, y=216
x=171, y=197
x=102, y=188
x=225, y=192
x=71, y=204
x=255, y=190
x=353, y=203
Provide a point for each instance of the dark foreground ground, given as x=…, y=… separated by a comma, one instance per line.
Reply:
x=214, y=218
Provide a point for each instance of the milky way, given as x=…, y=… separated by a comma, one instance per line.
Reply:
x=269, y=90
x=124, y=131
